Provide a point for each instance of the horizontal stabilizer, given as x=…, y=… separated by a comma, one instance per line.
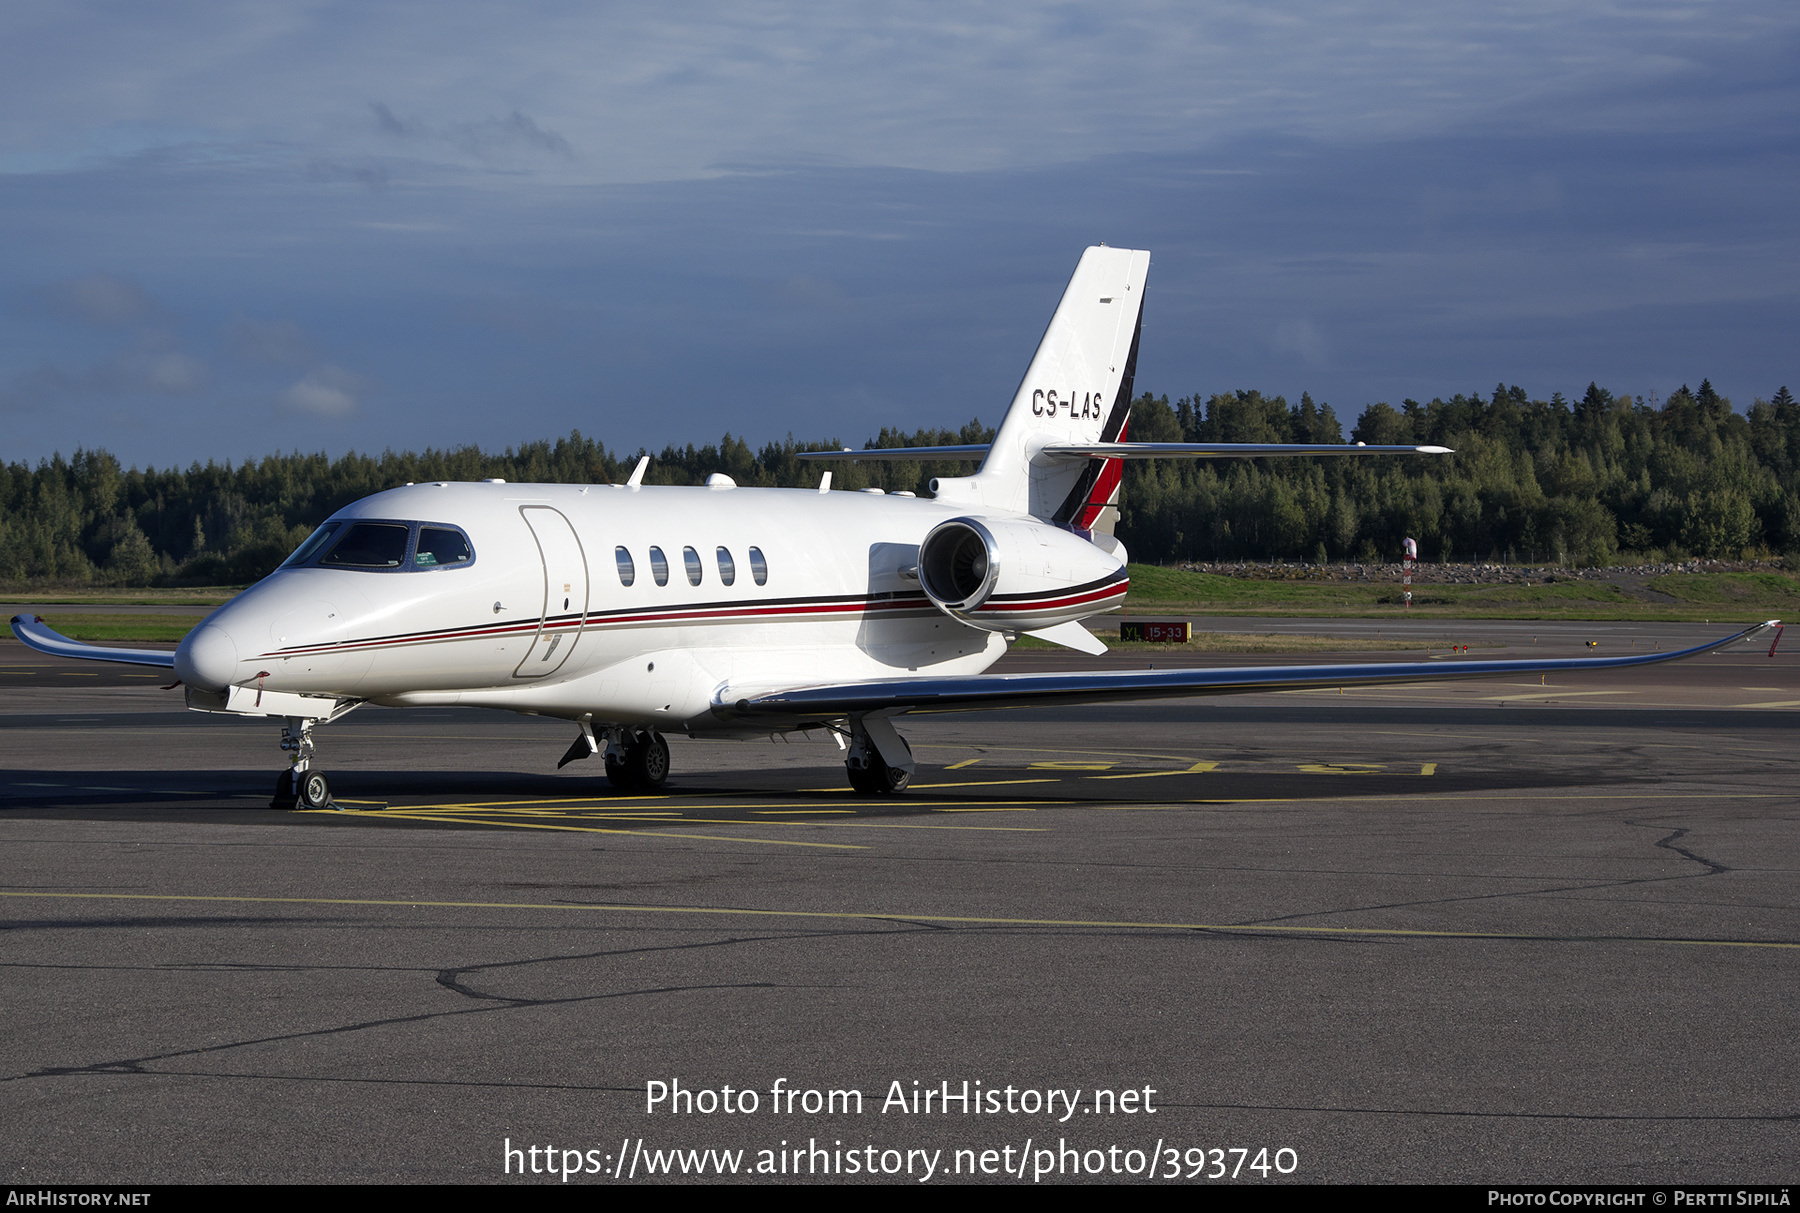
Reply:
x=34, y=633
x=802, y=705
x=1225, y=450
x=898, y=454
x=1129, y=450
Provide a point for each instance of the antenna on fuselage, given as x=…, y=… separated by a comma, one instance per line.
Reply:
x=825, y=483
x=637, y=473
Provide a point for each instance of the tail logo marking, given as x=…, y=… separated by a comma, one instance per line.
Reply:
x=1045, y=404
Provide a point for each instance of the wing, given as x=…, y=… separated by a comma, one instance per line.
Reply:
x=1226, y=450
x=892, y=696
x=1127, y=450
x=34, y=633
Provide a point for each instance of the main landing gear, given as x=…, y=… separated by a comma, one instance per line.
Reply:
x=637, y=760
x=879, y=762
x=300, y=787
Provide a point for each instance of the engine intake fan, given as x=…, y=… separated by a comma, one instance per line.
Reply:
x=1003, y=575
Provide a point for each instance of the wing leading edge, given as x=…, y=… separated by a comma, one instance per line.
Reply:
x=34, y=633
x=1126, y=450
x=901, y=695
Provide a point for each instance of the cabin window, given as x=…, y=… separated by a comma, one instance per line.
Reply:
x=439, y=547
x=314, y=542
x=659, y=566
x=627, y=571
x=727, y=569
x=759, y=568
x=692, y=559
x=370, y=545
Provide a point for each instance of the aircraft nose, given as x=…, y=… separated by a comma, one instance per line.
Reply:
x=207, y=658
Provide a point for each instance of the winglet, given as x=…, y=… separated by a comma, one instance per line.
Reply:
x=35, y=634
x=637, y=473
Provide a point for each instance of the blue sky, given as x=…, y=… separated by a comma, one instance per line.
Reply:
x=229, y=229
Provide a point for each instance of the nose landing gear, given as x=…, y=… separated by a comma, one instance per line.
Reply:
x=300, y=787
x=637, y=761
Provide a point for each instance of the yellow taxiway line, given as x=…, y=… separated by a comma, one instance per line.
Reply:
x=902, y=916
x=541, y=825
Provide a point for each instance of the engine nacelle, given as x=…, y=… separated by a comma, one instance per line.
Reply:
x=1016, y=576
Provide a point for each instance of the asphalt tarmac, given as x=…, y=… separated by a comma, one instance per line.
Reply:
x=1496, y=931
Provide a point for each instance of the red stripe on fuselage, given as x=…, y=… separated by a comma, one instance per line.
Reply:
x=699, y=615
x=1043, y=604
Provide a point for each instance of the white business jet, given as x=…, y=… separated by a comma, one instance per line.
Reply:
x=636, y=610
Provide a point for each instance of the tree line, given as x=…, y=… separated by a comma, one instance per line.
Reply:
x=1531, y=480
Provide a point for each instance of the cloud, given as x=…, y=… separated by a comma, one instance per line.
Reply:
x=152, y=363
x=489, y=139
x=1418, y=199
x=1300, y=338
x=171, y=374
x=809, y=290
x=499, y=135
x=401, y=128
x=274, y=342
x=657, y=93
x=369, y=173
x=326, y=391
x=100, y=300
x=137, y=371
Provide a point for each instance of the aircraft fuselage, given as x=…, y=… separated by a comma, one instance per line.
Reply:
x=632, y=605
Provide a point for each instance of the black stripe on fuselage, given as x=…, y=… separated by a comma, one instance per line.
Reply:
x=1111, y=578
x=673, y=614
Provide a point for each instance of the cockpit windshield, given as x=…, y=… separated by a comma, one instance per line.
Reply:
x=310, y=548
x=370, y=545
x=384, y=546
x=438, y=547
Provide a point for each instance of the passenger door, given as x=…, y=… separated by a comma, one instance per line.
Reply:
x=565, y=592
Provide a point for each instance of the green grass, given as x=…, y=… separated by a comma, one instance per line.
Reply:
x=121, y=627
x=1719, y=597
x=1732, y=589
x=200, y=596
x=1700, y=596
x=1535, y=595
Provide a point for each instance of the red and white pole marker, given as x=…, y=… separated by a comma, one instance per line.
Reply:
x=1410, y=548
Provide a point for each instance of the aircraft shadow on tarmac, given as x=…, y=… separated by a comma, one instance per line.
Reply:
x=238, y=795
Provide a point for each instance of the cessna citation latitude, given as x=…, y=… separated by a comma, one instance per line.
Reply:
x=637, y=610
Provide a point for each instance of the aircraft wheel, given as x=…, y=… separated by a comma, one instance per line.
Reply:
x=314, y=791
x=284, y=792
x=646, y=765
x=878, y=779
x=864, y=781
x=650, y=762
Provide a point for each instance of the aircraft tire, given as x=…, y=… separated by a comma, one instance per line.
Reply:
x=314, y=791
x=863, y=781
x=284, y=792
x=620, y=775
x=878, y=779
x=646, y=764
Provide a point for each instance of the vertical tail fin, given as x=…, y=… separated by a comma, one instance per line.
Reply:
x=1077, y=389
